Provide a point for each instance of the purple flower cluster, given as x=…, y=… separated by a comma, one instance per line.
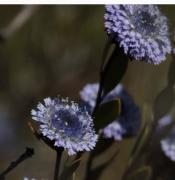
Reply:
x=128, y=123
x=64, y=122
x=141, y=30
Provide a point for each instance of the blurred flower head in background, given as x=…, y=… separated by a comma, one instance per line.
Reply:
x=129, y=121
x=70, y=126
x=168, y=145
x=141, y=30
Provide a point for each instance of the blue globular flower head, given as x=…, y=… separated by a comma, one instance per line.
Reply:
x=67, y=124
x=168, y=145
x=128, y=123
x=114, y=130
x=141, y=30
x=89, y=94
x=164, y=121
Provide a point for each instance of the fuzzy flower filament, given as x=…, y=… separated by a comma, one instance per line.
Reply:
x=141, y=30
x=68, y=125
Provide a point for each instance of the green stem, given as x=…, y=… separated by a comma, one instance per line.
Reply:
x=57, y=163
x=27, y=154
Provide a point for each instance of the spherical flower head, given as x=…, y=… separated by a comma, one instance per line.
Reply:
x=128, y=123
x=88, y=95
x=114, y=130
x=141, y=30
x=168, y=145
x=164, y=121
x=68, y=125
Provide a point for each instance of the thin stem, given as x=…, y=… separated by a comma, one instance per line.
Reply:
x=103, y=68
x=57, y=164
x=88, y=168
x=99, y=98
x=50, y=144
x=27, y=154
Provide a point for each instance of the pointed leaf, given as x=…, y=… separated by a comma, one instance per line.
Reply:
x=114, y=70
x=69, y=170
x=139, y=142
x=106, y=113
x=101, y=146
x=164, y=102
x=95, y=173
x=106, y=52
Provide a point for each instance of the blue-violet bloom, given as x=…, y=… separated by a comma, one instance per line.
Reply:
x=128, y=123
x=67, y=124
x=141, y=30
x=168, y=145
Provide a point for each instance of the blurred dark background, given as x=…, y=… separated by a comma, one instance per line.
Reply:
x=57, y=51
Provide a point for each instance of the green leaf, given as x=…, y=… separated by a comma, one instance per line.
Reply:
x=141, y=139
x=102, y=146
x=69, y=170
x=106, y=113
x=143, y=173
x=164, y=102
x=139, y=142
x=114, y=70
x=96, y=173
x=108, y=49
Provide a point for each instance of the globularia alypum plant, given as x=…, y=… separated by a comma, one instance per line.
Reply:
x=107, y=113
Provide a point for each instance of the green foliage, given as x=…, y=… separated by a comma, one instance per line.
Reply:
x=69, y=170
x=139, y=142
x=114, y=70
x=106, y=113
x=164, y=102
x=143, y=173
x=102, y=146
x=96, y=172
